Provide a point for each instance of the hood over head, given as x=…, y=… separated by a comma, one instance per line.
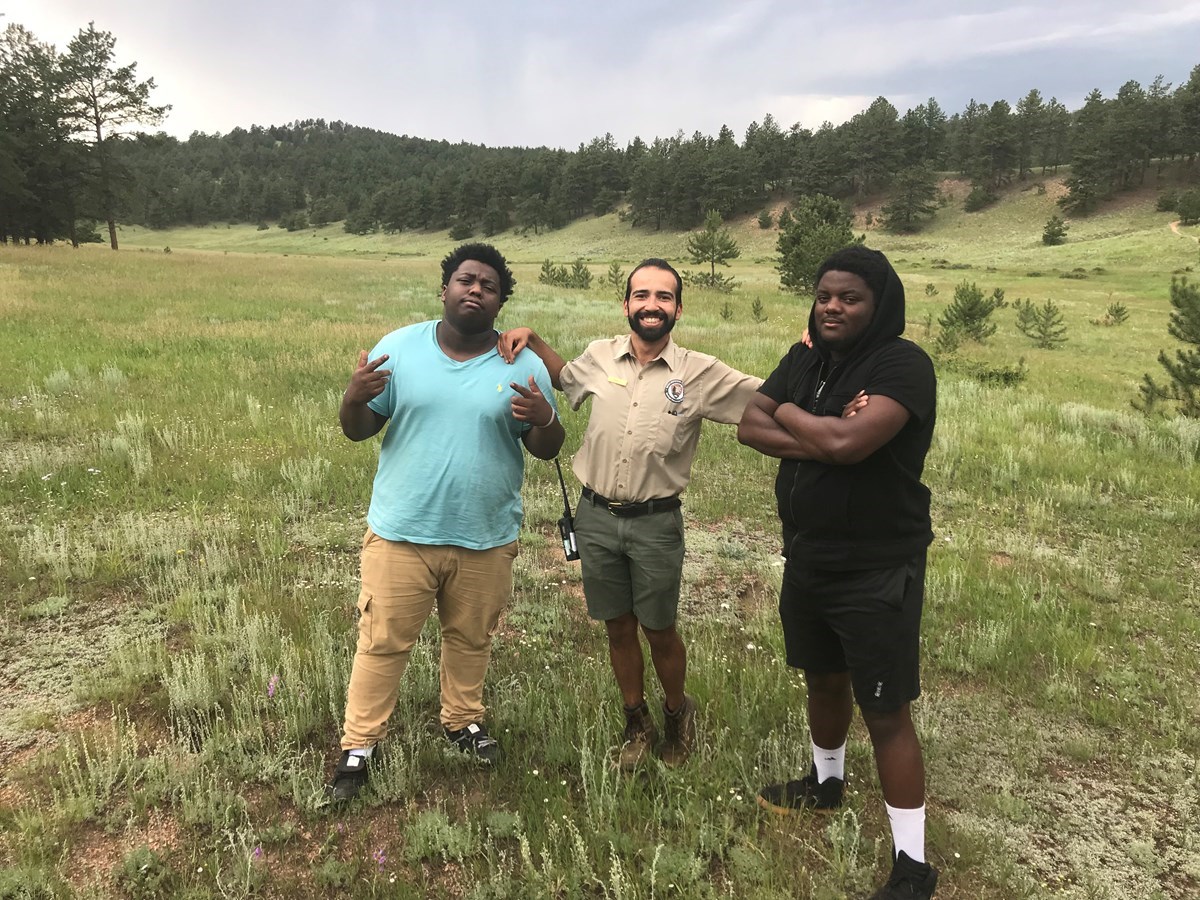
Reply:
x=873, y=268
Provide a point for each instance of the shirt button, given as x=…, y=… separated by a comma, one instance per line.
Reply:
x=629, y=432
x=624, y=460
x=635, y=403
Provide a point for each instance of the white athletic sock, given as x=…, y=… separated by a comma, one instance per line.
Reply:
x=908, y=831
x=829, y=763
x=364, y=752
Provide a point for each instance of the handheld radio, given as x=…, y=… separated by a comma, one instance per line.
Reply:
x=566, y=525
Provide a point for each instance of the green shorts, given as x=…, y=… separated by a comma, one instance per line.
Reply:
x=631, y=564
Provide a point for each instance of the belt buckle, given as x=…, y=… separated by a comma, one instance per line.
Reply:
x=613, y=508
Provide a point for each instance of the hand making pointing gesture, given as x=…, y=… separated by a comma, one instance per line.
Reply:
x=530, y=405
x=368, y=380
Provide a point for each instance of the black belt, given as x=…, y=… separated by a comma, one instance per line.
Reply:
x=629, y=510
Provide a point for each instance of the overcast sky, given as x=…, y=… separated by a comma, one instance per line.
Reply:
x=544, y=73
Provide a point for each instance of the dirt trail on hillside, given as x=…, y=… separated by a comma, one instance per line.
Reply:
x=1175, y=228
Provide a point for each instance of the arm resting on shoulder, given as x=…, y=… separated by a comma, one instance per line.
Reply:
x=515, y=340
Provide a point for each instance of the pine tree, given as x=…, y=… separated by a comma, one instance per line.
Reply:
x=580, y=276
x=105, y=99
x=1188, y=207
x=969, y=313
x=1055, y=232
x=914, y=200
x=817, y=227
x=714, y=245
x=615, y=279
x=1183, y=369
x=1031, y=116
x=1044, y=324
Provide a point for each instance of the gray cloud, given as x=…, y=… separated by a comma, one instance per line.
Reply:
x=559, y=74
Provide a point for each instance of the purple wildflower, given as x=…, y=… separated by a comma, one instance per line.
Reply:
x=380, y=858
x=272, y=685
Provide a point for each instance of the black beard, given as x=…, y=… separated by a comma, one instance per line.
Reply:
x=650, y=335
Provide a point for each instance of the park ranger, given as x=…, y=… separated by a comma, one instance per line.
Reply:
x=649, y=397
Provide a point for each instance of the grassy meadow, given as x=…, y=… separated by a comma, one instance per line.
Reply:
x=179, y=524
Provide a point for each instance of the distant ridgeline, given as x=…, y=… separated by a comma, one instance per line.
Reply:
x=315, y=172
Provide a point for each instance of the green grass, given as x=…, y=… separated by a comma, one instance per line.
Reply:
x=178, y=569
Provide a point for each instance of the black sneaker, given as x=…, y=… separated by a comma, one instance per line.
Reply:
x=349, y=777
x=909, y=881
x=475, y=740
x=807, y=793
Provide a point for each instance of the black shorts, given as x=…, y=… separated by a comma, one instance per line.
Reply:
x=867, y=622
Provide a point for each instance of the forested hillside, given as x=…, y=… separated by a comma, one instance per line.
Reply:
x=57, y=168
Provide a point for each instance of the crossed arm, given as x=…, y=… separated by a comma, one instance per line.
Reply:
x=786, y=431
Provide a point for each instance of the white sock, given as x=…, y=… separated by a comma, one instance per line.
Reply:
x=829, y=763
x=908, y=831
x=364, y=752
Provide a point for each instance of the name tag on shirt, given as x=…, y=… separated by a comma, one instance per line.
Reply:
x=615, y=380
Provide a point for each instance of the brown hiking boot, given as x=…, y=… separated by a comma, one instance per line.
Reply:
x=640, y=737
x=679, y=733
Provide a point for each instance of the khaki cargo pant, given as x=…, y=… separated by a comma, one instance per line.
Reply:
x=400, y=584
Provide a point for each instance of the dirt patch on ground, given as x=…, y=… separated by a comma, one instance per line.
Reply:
x=42, y=661
x=97, y=853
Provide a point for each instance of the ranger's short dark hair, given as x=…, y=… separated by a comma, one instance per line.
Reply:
x=655, y=263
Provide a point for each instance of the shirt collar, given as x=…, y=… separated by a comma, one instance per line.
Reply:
x=623, y=346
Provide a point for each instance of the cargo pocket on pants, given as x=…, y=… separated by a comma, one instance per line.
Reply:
x=364, y=622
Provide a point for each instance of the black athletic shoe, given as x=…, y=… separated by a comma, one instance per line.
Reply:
x=349, y=777
x=807, y=793
x=909, y=881
x=475, y=740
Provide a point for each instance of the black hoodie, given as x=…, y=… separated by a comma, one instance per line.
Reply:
x=875, y=513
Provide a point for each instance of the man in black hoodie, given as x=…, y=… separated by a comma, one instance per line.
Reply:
x=856, y=528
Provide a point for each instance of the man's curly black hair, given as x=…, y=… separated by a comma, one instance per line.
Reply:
x=486, y=254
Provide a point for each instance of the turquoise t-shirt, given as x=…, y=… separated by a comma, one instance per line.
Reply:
x=451, y=464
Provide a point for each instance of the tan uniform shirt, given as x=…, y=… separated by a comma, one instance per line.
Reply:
x=645, y=420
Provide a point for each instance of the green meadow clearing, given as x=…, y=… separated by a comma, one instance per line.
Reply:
x=179, y=524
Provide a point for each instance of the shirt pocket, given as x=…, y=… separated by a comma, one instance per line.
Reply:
x=672, y=429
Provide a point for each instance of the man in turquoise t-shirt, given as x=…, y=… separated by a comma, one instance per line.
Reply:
x=446, y=504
